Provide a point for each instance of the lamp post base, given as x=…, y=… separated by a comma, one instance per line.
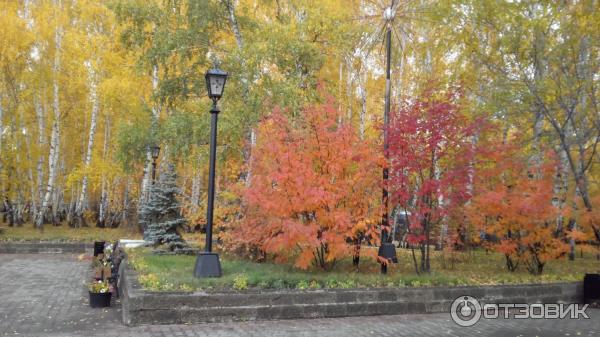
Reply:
x=207, y=265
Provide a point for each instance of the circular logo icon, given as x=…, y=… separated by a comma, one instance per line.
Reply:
x=465, y=311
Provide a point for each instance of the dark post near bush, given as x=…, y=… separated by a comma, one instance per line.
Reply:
x=207, y=262
x=387, y=249
x=155, y=152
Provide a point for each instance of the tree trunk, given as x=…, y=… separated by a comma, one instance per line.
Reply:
x=55, y=138
x=249, y=159
x=538, y=126
x=401, y=67
x=32, y=187
x=81, y=203
x=148, y=165
x=583, y=68
x=230, y=5
x=572, y=227
x=52, y=163
x=350, y=77
x=104, y=194
x=196, y=187
x=41, y=119
x=16, y=128
x=362, y=117
x=125, y=213
x=58, y=206
x=540, y=65
x=103, y=209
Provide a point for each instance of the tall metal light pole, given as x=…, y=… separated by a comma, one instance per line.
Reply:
x=390, y=13
x=387, y=249
x=207, y=262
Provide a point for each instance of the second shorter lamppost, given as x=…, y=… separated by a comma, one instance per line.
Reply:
x=155, y=152
x=207, y=262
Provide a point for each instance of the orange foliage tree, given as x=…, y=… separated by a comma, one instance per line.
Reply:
x=512, y=207
x=588, y=221
x=314, y=189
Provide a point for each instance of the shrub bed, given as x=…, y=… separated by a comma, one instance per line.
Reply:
x=175, y=273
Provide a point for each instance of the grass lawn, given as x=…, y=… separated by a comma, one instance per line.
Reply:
x=67, y=234
x=167, y=273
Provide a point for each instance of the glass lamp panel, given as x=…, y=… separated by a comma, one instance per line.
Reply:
x=217, y=83
x=155, y=151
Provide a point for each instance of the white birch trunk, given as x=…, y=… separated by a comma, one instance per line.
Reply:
x=58, y=196
x=34, y=205
x=125, y=214
x=340, y=86
x=104, y=194
x=195, y=198
x=40, y=116
x=196, y=187
x=230, y=4
x=103, y=204
x=16, y=127
x=402, y=67
x=350, y=86
x=538, y=76
x=249, y=163
x=55, y=138
x=147, y=179
x=81, y=204
x=441, y=203
x=52, y=163
x=362, y=117
x=41, y=119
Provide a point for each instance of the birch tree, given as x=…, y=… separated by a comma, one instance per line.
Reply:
x=53, y=157
x=93, y=80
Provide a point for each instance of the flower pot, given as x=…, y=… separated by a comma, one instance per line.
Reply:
x=591, y=289
x=388, y=251
x=100, y=300
x=99, y=247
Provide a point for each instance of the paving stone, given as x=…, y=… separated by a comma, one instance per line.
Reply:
x=45, y=296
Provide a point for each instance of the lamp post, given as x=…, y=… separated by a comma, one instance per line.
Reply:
x=155, y=152
x=207, y=262
x=387, y=249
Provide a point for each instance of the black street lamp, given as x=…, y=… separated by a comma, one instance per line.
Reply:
x=207, y=262
x=155, y=152
x=387, y=249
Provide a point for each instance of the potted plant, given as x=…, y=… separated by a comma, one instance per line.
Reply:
x=100, y=294
x=106, y=270
x=108, y=250
x=97, y=269
x=98, y=274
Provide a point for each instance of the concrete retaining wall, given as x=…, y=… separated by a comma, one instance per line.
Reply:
x=145, y=307
x=44, y=247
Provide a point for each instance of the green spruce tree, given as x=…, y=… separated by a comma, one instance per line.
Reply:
x=161, y=215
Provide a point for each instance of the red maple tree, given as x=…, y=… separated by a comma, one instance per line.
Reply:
x=430, y=148
x=313, y=193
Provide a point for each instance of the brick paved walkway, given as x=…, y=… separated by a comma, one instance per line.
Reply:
x=44, y=295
